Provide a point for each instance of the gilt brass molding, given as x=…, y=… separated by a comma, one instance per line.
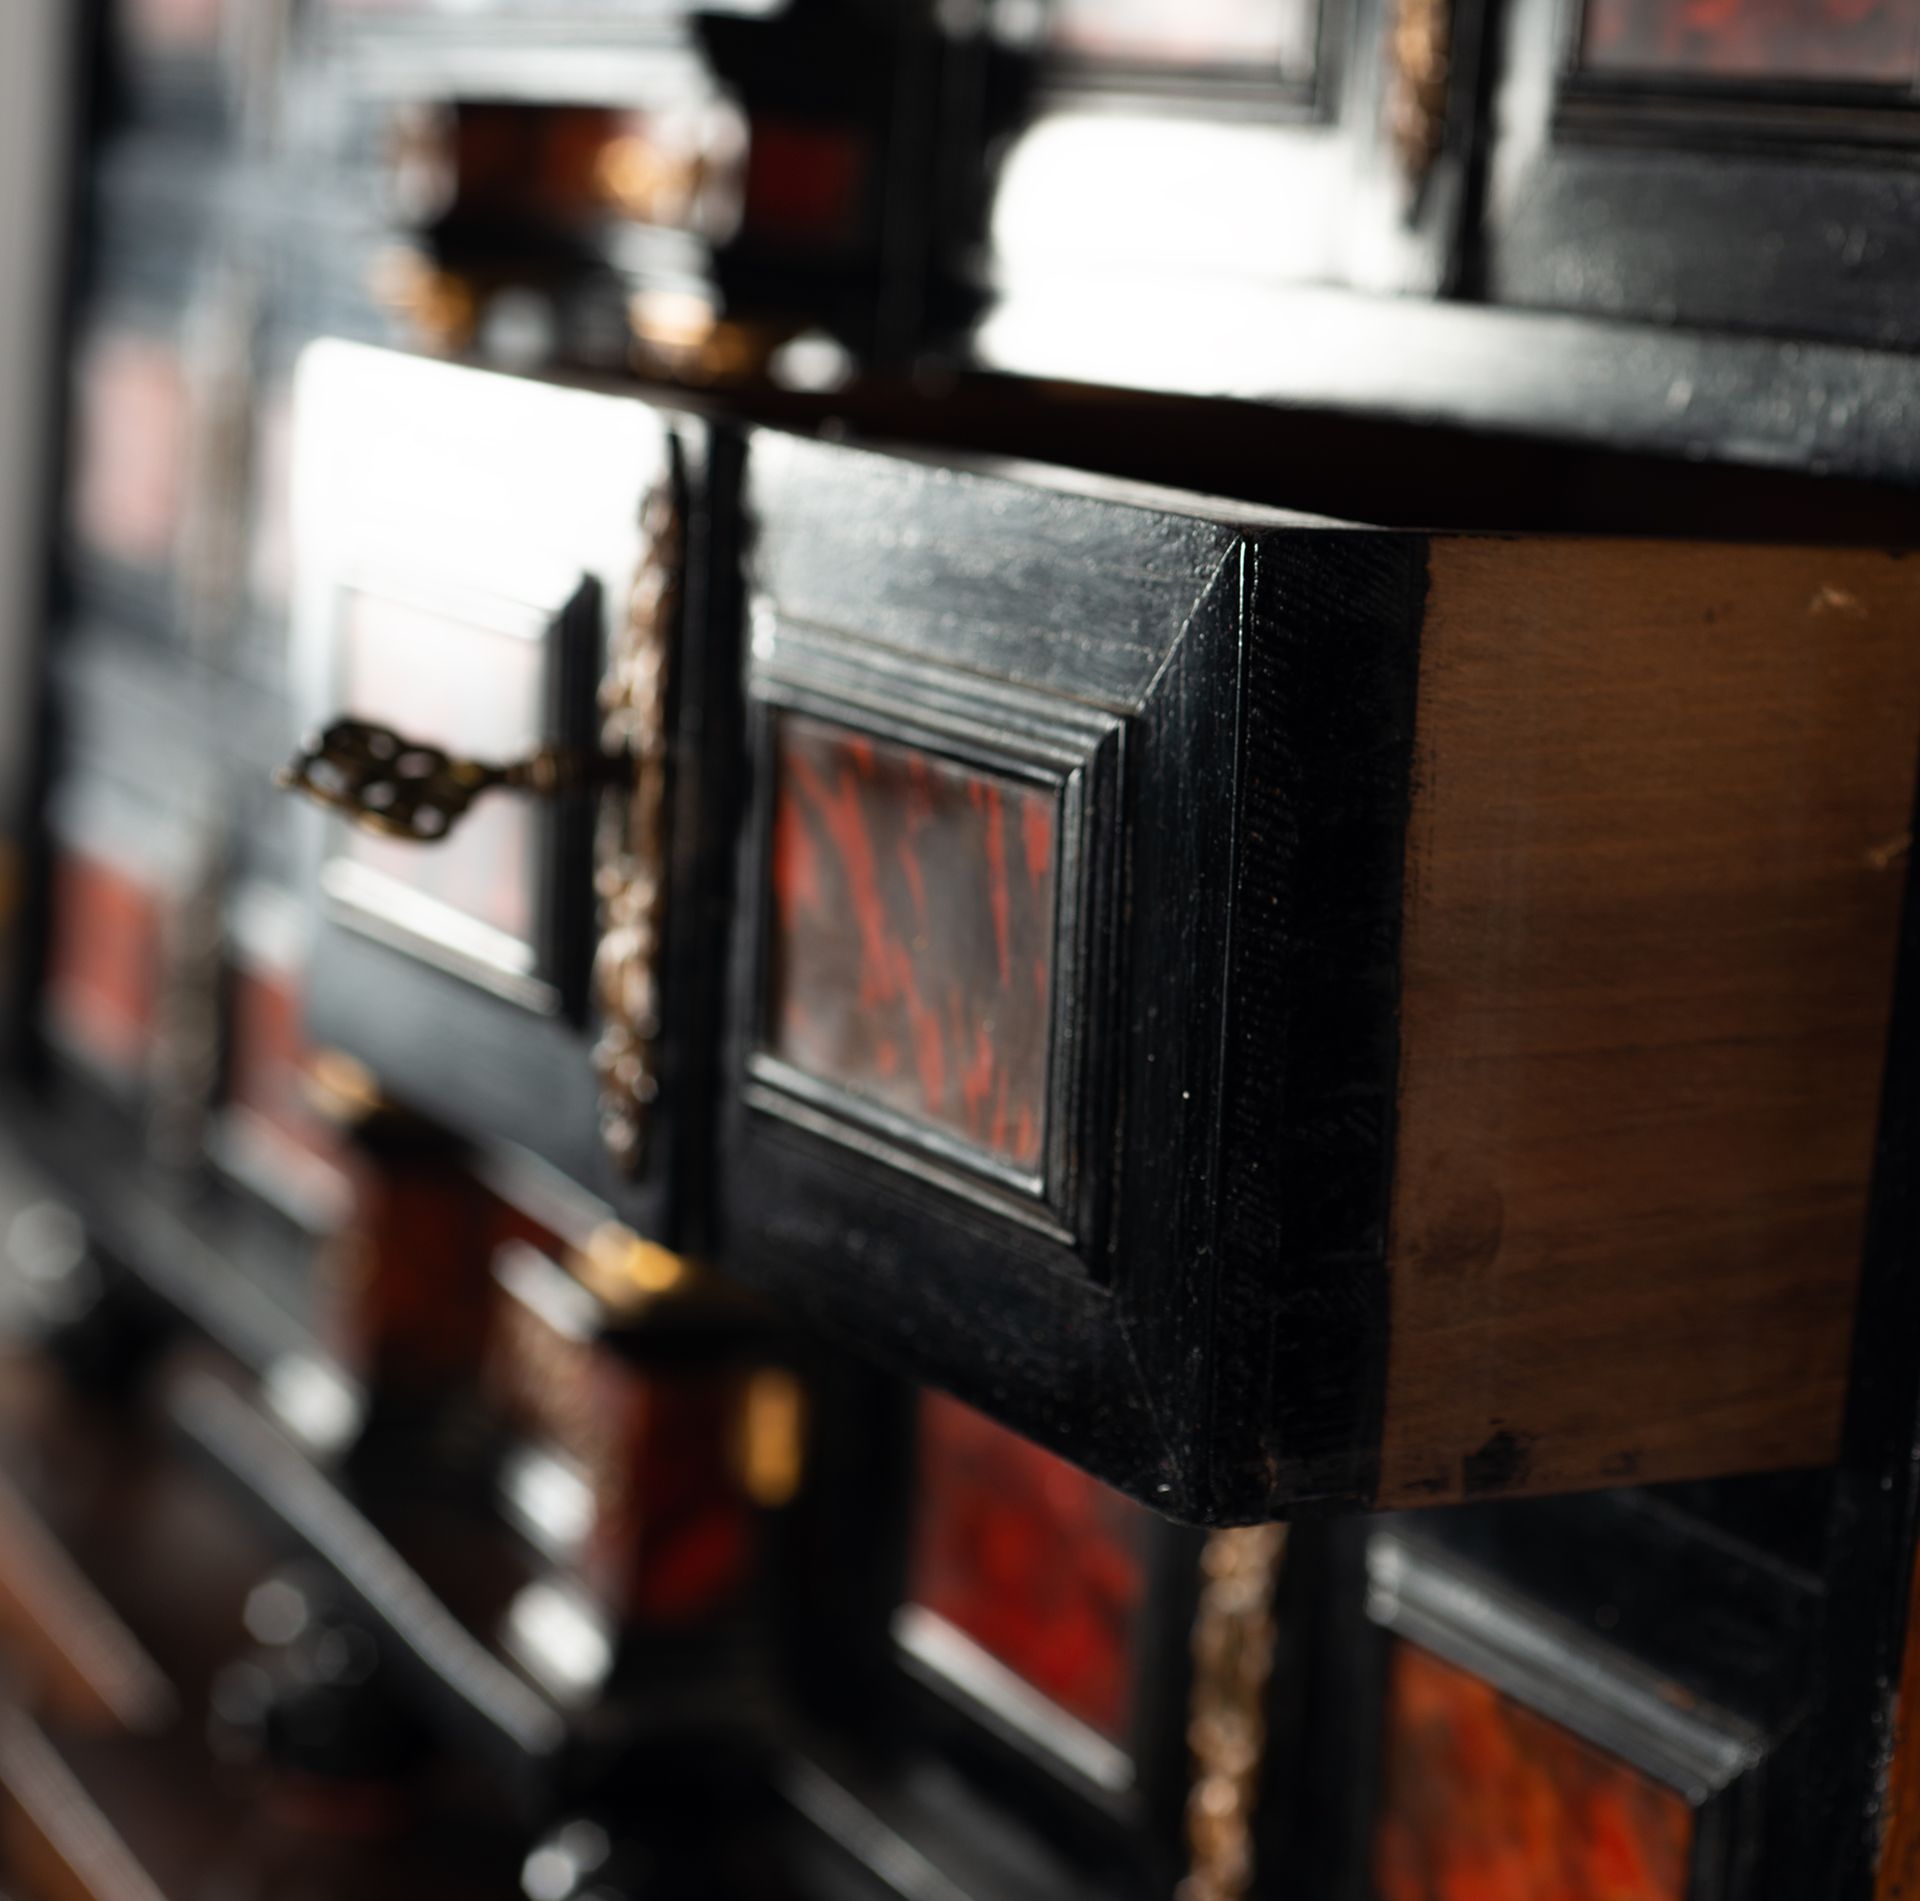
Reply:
x=630, y=845
x=1419, y=68
x=1234, y=1633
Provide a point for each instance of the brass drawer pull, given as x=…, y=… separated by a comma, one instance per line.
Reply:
x=401, y=788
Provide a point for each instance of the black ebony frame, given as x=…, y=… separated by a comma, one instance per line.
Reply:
x=1077, y=754
x=1784, y=207
x=1712, y=1759
x=560, y=894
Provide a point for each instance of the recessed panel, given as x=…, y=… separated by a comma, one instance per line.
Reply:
x=477, y=689
x=1188, y=35
x=911, y=961
x=1030, y=1560
x=1774, y=40
x=1484, y=1797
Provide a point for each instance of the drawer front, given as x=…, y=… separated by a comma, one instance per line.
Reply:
x=1012, y=998
x=499, y=569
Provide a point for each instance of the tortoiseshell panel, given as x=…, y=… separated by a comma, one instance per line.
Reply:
x=1040, y=1565
x=1787, y=40
x=912, y=947
x=1484, y=1800
x=477, y=691
x=1189, y=35
x=104, y=959
x=131, y=456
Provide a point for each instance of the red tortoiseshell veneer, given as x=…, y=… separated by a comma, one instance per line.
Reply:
x=1486, y=1801
x=1041, y=1566
x=912, y=961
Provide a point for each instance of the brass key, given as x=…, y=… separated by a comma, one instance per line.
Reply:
x=402, y=789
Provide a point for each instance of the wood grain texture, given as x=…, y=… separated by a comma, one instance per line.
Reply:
x=1654, y=871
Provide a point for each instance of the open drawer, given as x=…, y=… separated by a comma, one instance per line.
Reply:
x=1281, y=1012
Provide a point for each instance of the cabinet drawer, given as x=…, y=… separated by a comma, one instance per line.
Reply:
x=1282, y=1012
x=503, y=569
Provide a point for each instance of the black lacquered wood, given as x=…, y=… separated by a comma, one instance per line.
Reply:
x=1203, y=1323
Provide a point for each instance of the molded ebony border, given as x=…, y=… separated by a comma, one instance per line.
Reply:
x=1860, y=1726
x=1708, y=1756
x=558, y=894
x=1073, y=751
x=879, y=1722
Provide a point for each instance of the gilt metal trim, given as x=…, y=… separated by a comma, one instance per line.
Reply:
x=1234, y=1636
x=1419, y=70
x=630, y=847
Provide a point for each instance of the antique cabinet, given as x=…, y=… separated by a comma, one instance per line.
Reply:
x=978, y=1180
